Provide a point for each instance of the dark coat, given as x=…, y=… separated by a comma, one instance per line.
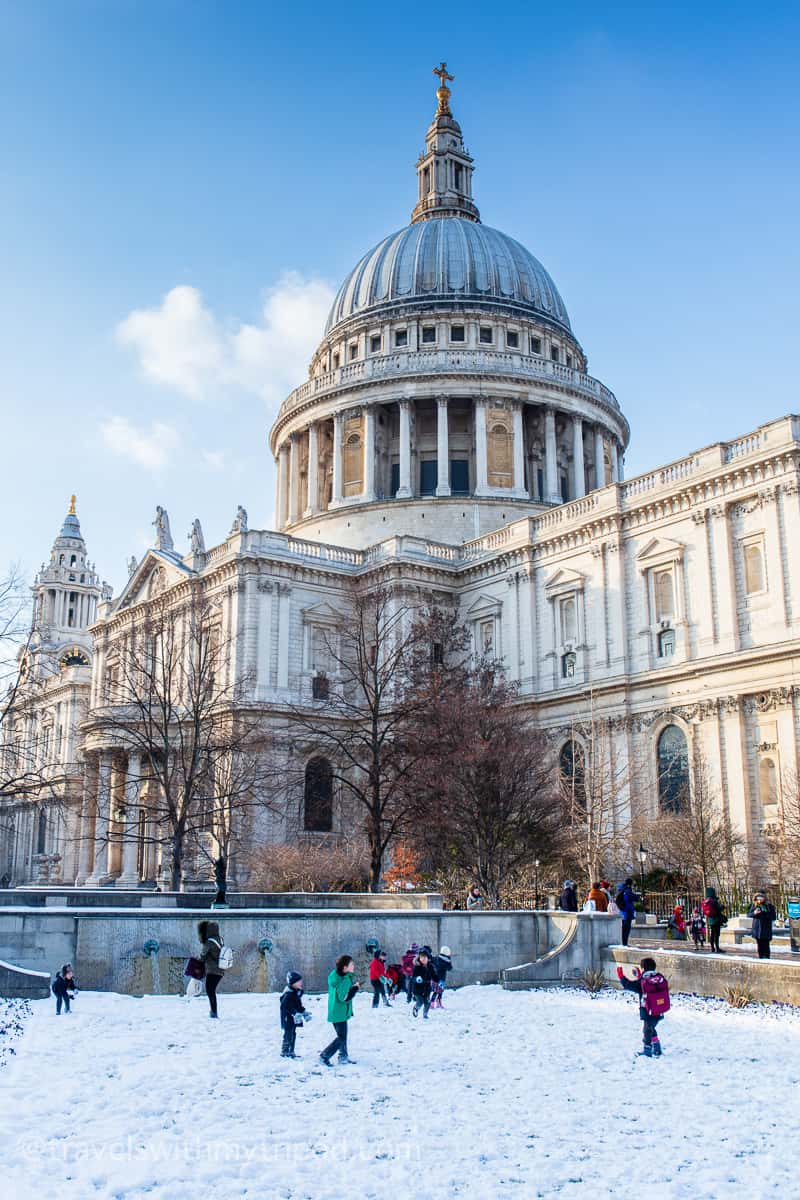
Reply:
x=291, y=1003
x=568, y=900
x=713, y=912
x=208, y=932
x=763, y=916
x=441, y=965
x=421, y=979
x=635, y=985
x=62, y=986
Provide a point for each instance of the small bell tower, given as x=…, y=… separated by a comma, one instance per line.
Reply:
x=66, y=590
x=444, y=169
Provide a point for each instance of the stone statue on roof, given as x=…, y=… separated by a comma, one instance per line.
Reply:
x=239, y=521
x=196, y=538
x=163, y=536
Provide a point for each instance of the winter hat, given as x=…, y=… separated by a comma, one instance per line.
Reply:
x=414, y=946
x=426, y=950
x=445, y=950
x=293, y=977
x=568, y=883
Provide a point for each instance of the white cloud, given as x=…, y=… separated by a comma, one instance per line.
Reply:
x=182, y=344
x=214, y=459
x=151, y=448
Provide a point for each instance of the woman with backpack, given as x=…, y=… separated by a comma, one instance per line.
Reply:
x=215, y=957
x=715, y=917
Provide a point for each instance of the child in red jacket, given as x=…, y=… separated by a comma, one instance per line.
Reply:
x=378, y=979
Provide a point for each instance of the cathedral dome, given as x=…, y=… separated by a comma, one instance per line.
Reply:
x=449, y=259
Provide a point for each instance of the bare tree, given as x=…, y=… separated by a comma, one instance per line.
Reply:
x=782, y=837
x=373, y=657
x=487, y=805
x=173, y=702
x=596, y=788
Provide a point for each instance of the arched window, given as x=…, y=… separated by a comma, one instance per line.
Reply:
x=318, y=797
x=673, y=770
x=572, y=767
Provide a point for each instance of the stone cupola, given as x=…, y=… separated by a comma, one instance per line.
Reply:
x=444, y=169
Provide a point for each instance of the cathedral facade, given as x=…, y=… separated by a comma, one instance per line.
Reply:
x=450, y=440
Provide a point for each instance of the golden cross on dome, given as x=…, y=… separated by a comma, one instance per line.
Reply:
x=72, y=506
x=443, y=91
x=441, y=71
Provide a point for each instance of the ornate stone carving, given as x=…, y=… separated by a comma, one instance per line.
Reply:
x=264, y=585
x=239, y=521
x=196, y=539
x=163, y=536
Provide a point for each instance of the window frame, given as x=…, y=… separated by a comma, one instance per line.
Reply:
x=746, y=543
x=458, y=341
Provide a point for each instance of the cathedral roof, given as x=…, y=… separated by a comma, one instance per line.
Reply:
x=449, y=258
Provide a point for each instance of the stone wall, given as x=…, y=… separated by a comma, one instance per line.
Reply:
x=107, y=947
x=18, y=984
x=774, y=980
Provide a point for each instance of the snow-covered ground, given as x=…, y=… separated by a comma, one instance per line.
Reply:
x=521, y=1094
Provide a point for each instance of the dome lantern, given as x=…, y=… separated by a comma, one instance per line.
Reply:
x=444, y=169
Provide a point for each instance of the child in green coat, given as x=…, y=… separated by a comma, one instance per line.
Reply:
x=341, y=990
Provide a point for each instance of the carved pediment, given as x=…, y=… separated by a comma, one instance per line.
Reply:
x=483, y=605
x=157, y=571
x=564, y=580
x=321, y=614
x=659, y=550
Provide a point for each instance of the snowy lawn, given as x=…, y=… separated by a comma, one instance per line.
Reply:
x=501, y=1094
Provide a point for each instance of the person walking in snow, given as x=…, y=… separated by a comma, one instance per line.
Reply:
x=715, y=917
x=626, y=903
x=422, y=981
x=64, y=988
x=441, y=963
x=653, y=991
x=568, y=900
x=378, y=979
x=293, y=1013
x=763, y=914
x=341, y=990
x=211, y=949
x=407, y=963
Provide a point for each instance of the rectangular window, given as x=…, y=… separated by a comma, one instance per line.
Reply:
x=456, y=333
x=486, y=636
x=485, y=335
x=666, y=643
x=335, y=362
x=428, y=334
x=428, y=473
x=512, y=339
x=664, y=592
x=554, y=353
x=536, y=345
x=320, y=688
x=459, y=476
x=375, y=344
x=353, y=350
x=394, y=486
x=401, y=337
x=459, y=173
x=754, y=575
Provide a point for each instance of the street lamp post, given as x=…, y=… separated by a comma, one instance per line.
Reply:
x=642, y=860
x=536, y=883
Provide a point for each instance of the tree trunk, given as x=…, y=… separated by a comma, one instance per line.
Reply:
x=176, y=871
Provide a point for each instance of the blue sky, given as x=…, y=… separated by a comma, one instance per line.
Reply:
x=247, y=154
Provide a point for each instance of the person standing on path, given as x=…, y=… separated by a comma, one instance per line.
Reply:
x=763, y=914
x=208, y=932
x=568, y=900
x=474, y=899
x=341, y=990
x=599, y=897
x=626, y=903
x=715, y=919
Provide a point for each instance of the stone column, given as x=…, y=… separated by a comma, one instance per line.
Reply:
x=442, y=448
x=405, y=491
x=336, y=497
x=615, y=476
x=551, y=493
x=293, y=481
x=578, y=472
x=481, y=463
x=86, y=828
x=519, y=452
x=283, y=467
x=369, y=452
x=101, y=827
x=130, y=834
x=312, y=490
x=599, y=458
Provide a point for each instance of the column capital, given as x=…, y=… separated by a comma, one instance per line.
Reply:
x=443, y=401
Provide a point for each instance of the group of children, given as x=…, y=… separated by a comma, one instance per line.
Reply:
x=421, y=976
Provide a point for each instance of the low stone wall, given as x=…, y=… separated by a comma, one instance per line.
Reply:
x=571, y=943
x=107, y=947
x=711, y=974
x=18, y=984
x=112, y=897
